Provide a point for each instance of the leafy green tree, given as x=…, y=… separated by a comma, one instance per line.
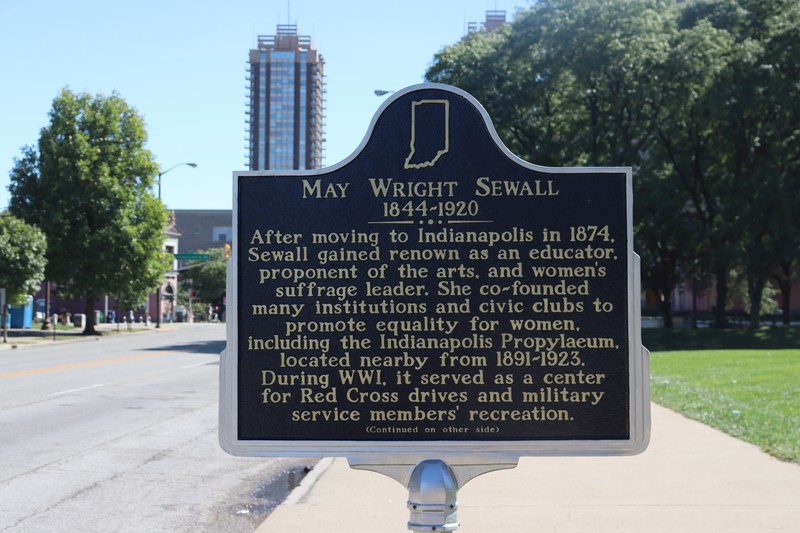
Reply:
x=784, y=69
x=88, y=186
x=568, y=84
x=700, y=97
x=565, y=84
x=686, y=129
x=208, y=279
x=22, y=258
x=754, y=112
x=664, y=235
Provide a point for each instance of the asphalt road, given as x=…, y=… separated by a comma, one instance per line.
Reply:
x=120, y=434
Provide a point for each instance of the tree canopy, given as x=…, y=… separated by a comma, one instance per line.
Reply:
x=208, y=279
x=88, y=186
x=22, y=258
x=700, y=97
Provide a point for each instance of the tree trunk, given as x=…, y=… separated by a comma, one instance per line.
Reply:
x=755, y=287
x=720, y=320
x=785, y=284
x=89, y=327
x=666, y=309
x=786, y=300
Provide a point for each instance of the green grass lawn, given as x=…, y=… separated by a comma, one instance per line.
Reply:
x=744, y=383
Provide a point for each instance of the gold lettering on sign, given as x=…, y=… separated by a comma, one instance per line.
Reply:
x=426, y=316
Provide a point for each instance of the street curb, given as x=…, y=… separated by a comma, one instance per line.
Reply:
x=32, y=342
x=305, y=486
x=45, y=341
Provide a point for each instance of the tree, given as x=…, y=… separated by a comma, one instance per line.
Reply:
x=88, y=187
x=664, y=235
x=686, y=130
x=700, y=98
x=566, y=83
x=754, y=112
x=208, y=279
x=783, y=50
x=22, y=258
x=570, y=84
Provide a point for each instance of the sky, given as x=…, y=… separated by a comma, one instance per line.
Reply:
x=182, y=66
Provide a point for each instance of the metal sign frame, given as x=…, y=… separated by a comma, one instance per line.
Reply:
x=396, y=458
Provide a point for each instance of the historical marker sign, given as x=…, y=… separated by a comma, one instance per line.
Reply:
x=434, y=293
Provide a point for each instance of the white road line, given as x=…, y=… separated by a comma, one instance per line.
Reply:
x=80, y=389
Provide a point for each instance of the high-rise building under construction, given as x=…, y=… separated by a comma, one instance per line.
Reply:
x=286, y=101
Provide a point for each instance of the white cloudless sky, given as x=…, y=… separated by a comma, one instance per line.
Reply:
x=182, y=65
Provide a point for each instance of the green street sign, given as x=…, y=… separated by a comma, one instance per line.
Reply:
x=192, y=257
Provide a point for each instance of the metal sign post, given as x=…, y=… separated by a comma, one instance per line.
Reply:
x=433, y=307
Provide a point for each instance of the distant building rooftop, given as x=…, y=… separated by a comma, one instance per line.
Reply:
x=494, y=21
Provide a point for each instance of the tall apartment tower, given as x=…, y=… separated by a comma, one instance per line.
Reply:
x=286, y=100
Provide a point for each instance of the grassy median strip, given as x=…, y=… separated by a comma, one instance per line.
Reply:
x=751, y=392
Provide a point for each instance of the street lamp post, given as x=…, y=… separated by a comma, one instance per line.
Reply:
x=158, y=290
x=193, y=165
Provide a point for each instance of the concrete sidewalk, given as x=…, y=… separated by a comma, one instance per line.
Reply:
x=26, y=338
x=691, y=479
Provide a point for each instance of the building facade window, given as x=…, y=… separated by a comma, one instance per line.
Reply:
x=222, y=233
